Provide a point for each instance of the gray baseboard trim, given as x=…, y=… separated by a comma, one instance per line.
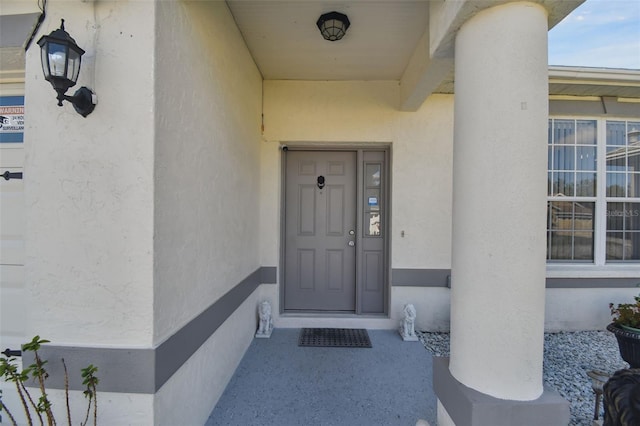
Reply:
x=468, y=407
x=269, y=275
x=593, y=282
x=129, y=370
x=420, y=277
x=177, y=349
x=442, y=278
x=145, y=370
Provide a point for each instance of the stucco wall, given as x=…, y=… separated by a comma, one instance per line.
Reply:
x=191, y=394
x=88, y=183
x=354, y=112
x=208, y=106
x=421, y=156
x=569, y=309
x=207, y=212
x=145, y=213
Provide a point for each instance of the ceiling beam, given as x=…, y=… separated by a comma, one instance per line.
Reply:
x=422, y=76
x=433, y=59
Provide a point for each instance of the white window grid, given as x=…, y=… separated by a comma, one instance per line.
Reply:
x=600, y=199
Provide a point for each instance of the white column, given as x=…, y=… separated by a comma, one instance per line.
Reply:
x=499, y=184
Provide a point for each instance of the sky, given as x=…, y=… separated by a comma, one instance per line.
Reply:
x=598, y=33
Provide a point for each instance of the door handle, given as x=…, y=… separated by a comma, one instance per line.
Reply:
x=352, y=243
x=11, y=175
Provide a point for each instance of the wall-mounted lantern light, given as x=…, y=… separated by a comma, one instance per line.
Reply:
x=333, y=25
x=61, y=58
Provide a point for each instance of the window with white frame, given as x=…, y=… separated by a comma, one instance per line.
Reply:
x=593, y=208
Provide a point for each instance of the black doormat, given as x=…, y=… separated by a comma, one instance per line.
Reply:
x=334, y=337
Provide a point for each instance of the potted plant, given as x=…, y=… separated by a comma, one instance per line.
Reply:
x=626, y=328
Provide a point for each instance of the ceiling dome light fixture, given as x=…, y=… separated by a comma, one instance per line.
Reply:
x=333, y=25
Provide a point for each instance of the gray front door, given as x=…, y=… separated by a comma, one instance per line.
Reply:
x=320, y=231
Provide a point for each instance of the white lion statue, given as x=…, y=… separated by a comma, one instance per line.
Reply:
x=407, y=324
x=265, y=326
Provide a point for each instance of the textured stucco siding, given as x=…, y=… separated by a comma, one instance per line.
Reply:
x=208, y=101
x=574, y=309
x=89, y=181
x=142, y=215
x=421, y=156
x=207, y=169
x=365, y=112
x=191, y=394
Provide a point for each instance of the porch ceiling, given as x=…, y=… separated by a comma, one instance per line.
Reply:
x=387, y=40
x=286, y=44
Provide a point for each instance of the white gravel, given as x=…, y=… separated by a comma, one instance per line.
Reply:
x=568, y=356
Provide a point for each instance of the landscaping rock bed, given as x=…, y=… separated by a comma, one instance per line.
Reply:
x=568, y=356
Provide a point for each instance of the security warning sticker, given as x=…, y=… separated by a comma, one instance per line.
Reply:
x=11, y=119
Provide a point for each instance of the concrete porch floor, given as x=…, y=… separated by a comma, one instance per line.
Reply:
x=280, y=383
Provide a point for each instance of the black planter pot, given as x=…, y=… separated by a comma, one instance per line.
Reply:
x=628, y=343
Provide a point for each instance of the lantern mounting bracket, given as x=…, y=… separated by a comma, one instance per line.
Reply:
x=84, y=100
